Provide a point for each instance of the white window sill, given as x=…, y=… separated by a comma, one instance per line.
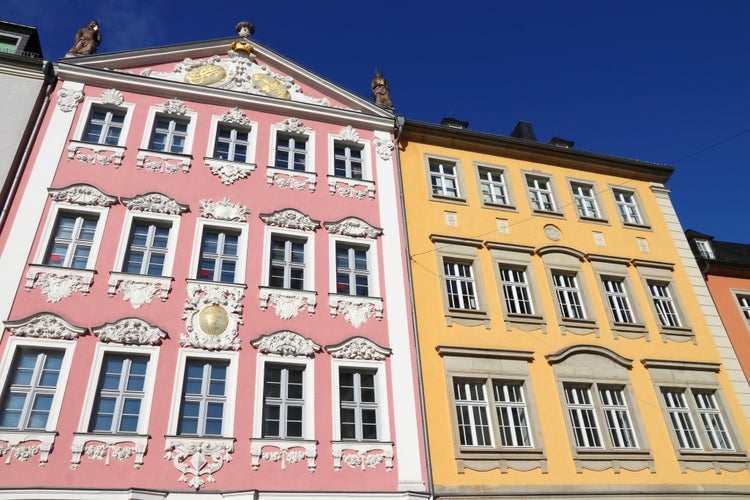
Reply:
x=229, y=171
x=288, y=303
x=351, y=188
x=139, y=289
x=366, y=454
x=355, y=309
x=286, y=451
x=106, y=446
x=294, y=179
x=89, y=152
x=58, y=283
x=162, y=161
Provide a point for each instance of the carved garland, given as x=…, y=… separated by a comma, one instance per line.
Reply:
x=358, y=348
x=130, y=331
x=354, y=227
x=290, y=218
x=223, y=209
x=82, y=194
x=154, y=203
x=286, y=343
x=45, y=326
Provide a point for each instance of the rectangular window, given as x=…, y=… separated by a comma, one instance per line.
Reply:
x=287, y=268
x=352, y=274
x=147, y=248
x=665, y=306
x=444, y=179
x=494, y=190
x=104, y=125
x=540, y=192
x=119, y=394
x=713, y=422
x=203, y=398
x=617, y=416
x=568, y=295
x=681, y=420
x=72, y=240
x=218, y=255
x=358, y=404
x=744, y=302
x=516, y=291
x=704, y=249
x=283, y=401
x=347, y=160
x=291, y=152
x=617, y=300
x=585, y=200
x=169, y=134
x=472, y=413
x=582, y=415
x=459, y=282
x=231, y=144
x=512, y=419
x=28, y=395
x=627, y=206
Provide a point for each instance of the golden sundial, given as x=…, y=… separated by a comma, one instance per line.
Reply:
x=213, y=320
x=206, y=75
x=270, y=86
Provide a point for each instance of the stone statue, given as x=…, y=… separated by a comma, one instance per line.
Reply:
x=380, y=91
x=88, y=39
x=245, y=29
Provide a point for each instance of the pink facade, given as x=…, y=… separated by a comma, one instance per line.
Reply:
x=204, y=286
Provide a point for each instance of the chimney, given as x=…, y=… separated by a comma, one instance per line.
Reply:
x=523, y=130
x=561, y=143
x=453, y=123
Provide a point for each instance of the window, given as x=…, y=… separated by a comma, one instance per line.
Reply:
x=169, y=134
x=627, y=206
x=231, y=143
x=218, y=255
x=283, y=401
x=444, y=179
x=585, y=198
x=664, y=305
x=352, y=274
x=204, y=398
x=568, y=295
x=104, y=125
x=72, y=240
x=30, y=388
x=459, y=281
x=617, y=299
x=493, y=187
x=744, y=302
x=120, y=394
x=615, y=286
x=540, y=193
x=148, y=246
x=704, y=249
x=287, y=263
x=347, y=160
x=358, y=405
x=291, y=152
x=706, y=408
x=583, y=407
x=493, y=416
x=516, y=291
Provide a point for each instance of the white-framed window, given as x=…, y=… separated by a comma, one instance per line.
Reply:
x=231, y=143
x=219, y=251
x=71, y=236
x=472, y=412
x=291, y=152
x=445, y=181
x=628, y=207
x=743, y=300
x=666, y=311
x=287, y=262
x=685, y=407
x=104, y=123
x=9, y=42
x=459, y=282
x=582, y=416
x=493, y=187
x=148, y=246
x=541, y=194
x=353, y=274
x=568, y=295
x=169, y=134
x=204, y=396
x=618, y=302
x=358, y=404
x=348, y=160
x=515, y=290
x=664, y=300
x=606, y=403
x=586, y=200
x=613, y=277
x=704, y=249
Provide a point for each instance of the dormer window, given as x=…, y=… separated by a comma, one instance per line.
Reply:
x=704, y=249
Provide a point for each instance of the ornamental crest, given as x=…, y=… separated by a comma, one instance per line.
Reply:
x=212, y=316
x=290, y=219
x=294, y=126
x=82, y=194
x=155, y=203
x=201, y=457
x=112, y=96
x=68, y=99
x=349, y=134
x=174, y=107
x=45, y=326
x=130, y=331
x=286, y=343
x=224, y=209
x=358, y=348
x=354, y=227
x=237, y=117
x=383, y=148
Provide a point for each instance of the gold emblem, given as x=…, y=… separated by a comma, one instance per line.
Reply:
x=213, y=320
x=270, y=86
x=206, y=75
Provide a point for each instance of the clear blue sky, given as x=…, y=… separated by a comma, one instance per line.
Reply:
x=660, y=81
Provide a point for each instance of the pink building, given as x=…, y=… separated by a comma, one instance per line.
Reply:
x=204, y=287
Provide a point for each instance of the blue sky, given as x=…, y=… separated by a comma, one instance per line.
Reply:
x=665, y=82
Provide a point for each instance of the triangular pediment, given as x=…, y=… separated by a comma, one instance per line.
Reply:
x=238, y=65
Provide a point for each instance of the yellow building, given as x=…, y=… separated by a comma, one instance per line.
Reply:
x=564, y=350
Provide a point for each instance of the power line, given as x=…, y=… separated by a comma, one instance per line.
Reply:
x=703, y=150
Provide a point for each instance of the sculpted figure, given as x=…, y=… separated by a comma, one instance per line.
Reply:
x=88, y=39
x=380, y=91
x=245, y=29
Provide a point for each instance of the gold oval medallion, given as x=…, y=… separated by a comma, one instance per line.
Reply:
x=270, y=86
x=206, y=75
x=213, y=320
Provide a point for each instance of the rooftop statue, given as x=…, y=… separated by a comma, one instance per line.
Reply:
x=88, y=39
x=380, y=91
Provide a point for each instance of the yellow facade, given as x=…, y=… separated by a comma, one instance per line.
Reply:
x=472, y=344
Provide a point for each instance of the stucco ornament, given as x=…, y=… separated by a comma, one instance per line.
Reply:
x=174, y=107
x=26, y=445
x=68, y=99
x=351, y=188
x=285, y=178
x=552, y=232
x=349, y=134
x=212, y=316
x=102, y=154
x=358, y=348
x=58, y=283
x=354, y=227
x=284, y=451
x=112, y=96
x=82, y=194
x=228, y=171
x=224, y=209
x=286, y=343
x=236, y=116
x=355, y=310
x=105, y=447
x=364, y=456
x=139, y=289
x=383, y=148
x=156, y=203
x=294, y=126
x=291, y=219
x=288, y=303
x=44, y=326
x=130, y=331
x=197, y=458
